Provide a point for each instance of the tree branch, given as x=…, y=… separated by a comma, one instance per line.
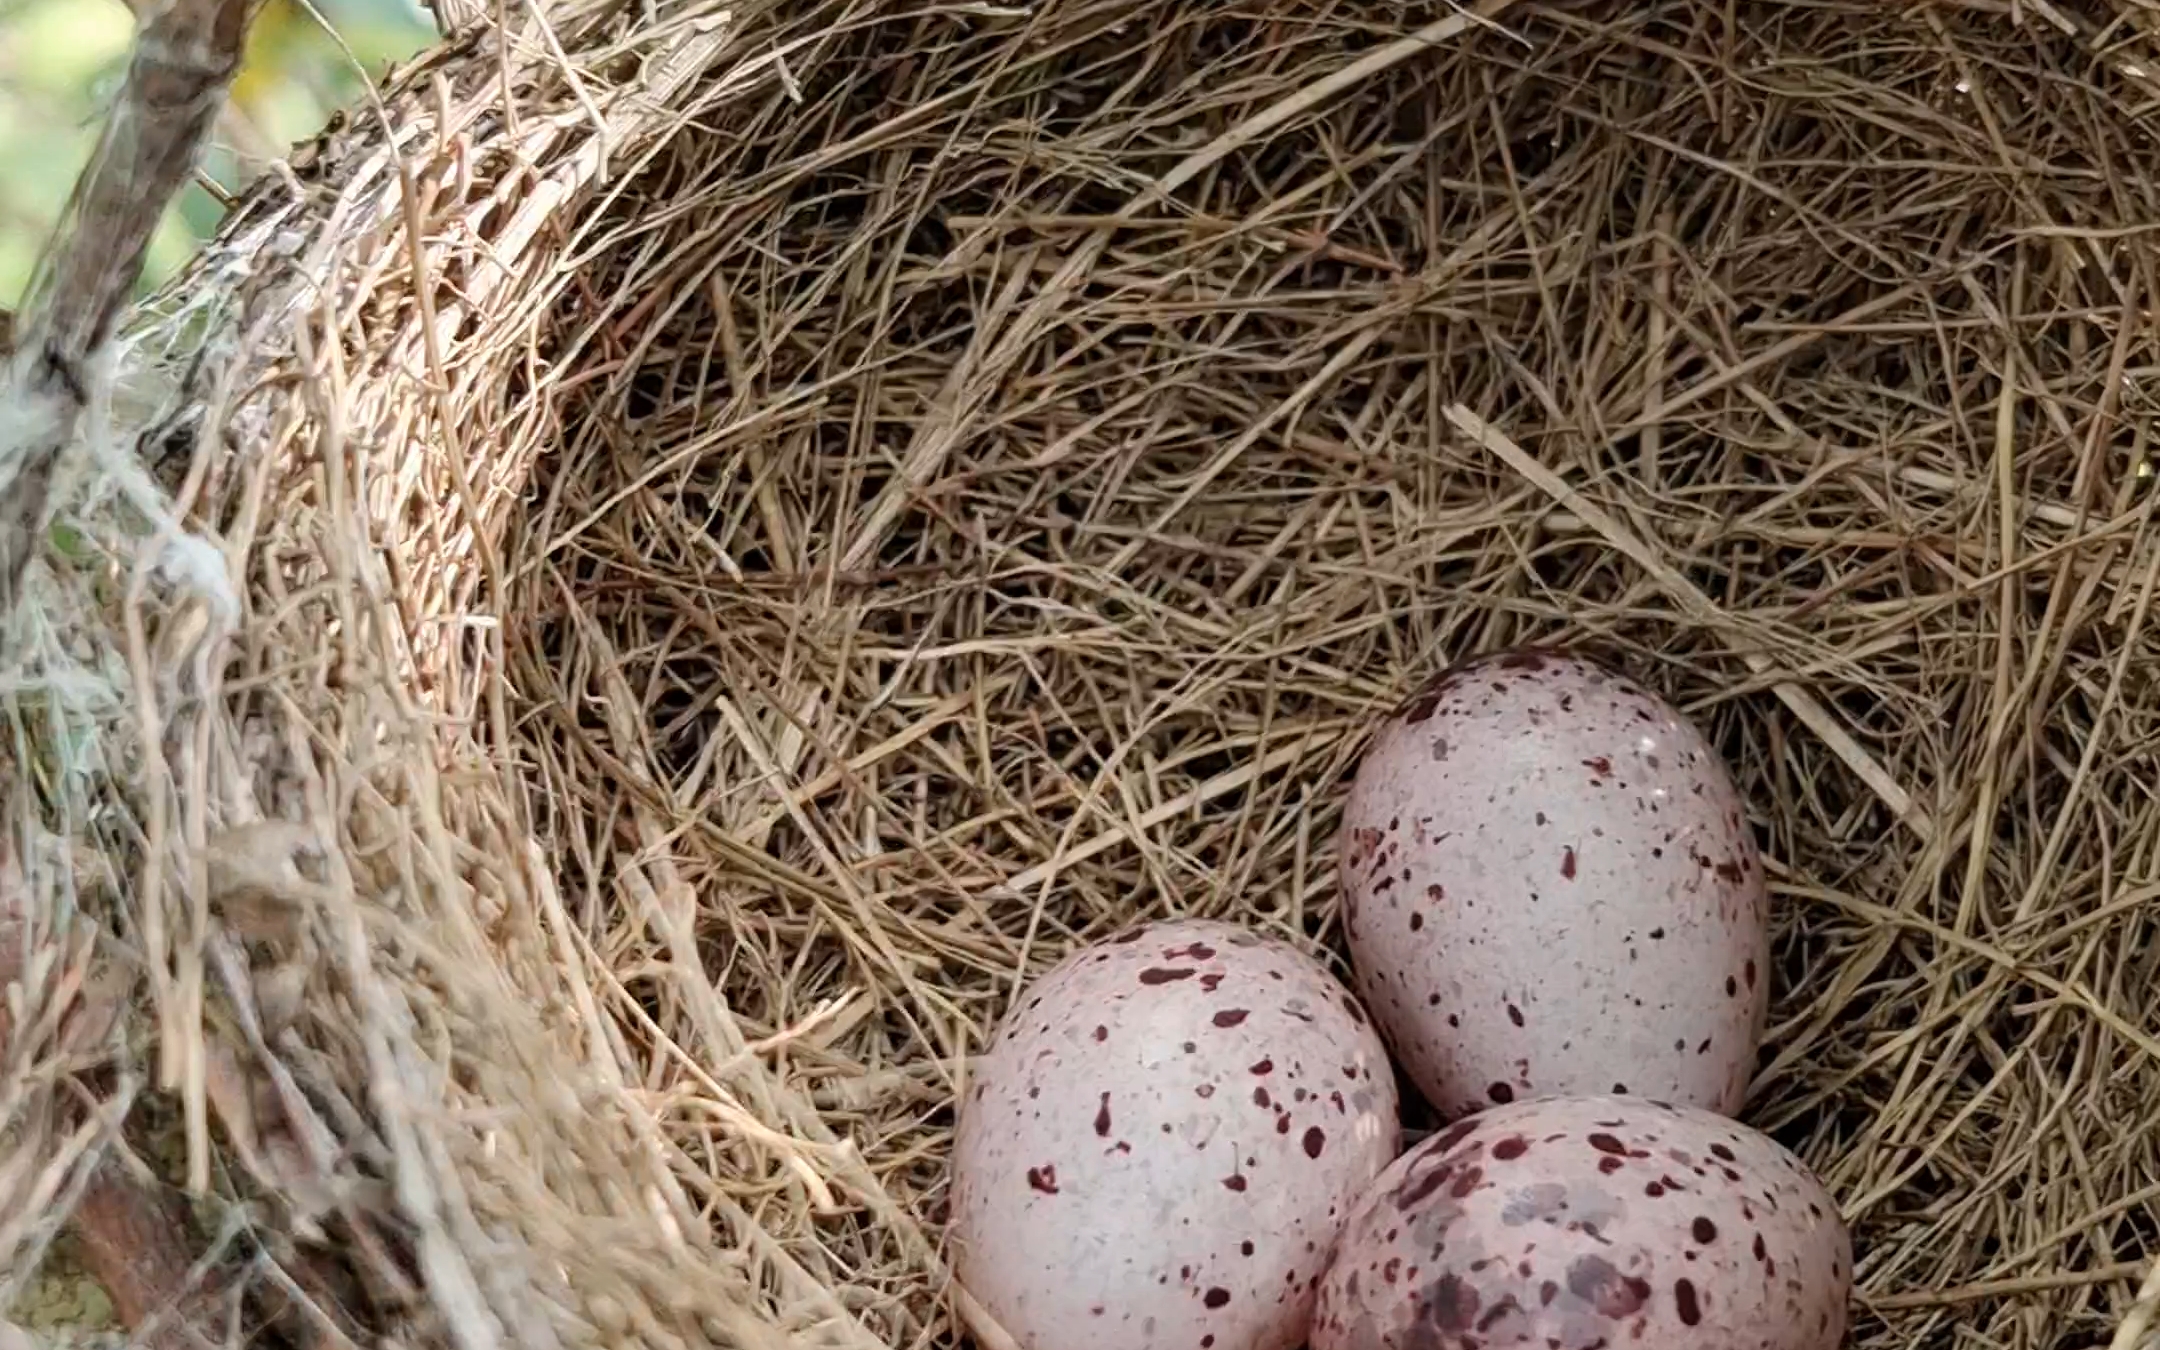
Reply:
x=186, y=54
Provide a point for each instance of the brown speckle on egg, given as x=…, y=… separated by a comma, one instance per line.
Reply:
x=1685, y=1302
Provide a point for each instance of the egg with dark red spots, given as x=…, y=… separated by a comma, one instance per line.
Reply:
x=1549, y=886
x=1590, y=1223
x=1159, y=1145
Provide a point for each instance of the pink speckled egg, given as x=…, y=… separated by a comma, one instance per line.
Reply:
x=1549, y=887
x=1590, y=1223
x=1160, y=1144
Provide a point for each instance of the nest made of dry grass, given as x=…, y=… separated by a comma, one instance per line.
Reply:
x=763, y=525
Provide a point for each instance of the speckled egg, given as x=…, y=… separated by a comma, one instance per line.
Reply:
x=1549, y=887
x=1158, y=1148
x=1590, y=1223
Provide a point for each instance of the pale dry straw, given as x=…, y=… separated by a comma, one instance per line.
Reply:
x=763, y=525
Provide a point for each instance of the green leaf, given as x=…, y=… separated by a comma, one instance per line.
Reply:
x=68, y=541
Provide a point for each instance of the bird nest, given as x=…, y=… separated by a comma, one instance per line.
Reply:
x=756, y=527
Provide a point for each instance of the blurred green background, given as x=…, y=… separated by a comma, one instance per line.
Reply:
x=61, y=60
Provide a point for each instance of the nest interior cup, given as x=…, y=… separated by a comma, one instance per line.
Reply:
x=764, y=525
